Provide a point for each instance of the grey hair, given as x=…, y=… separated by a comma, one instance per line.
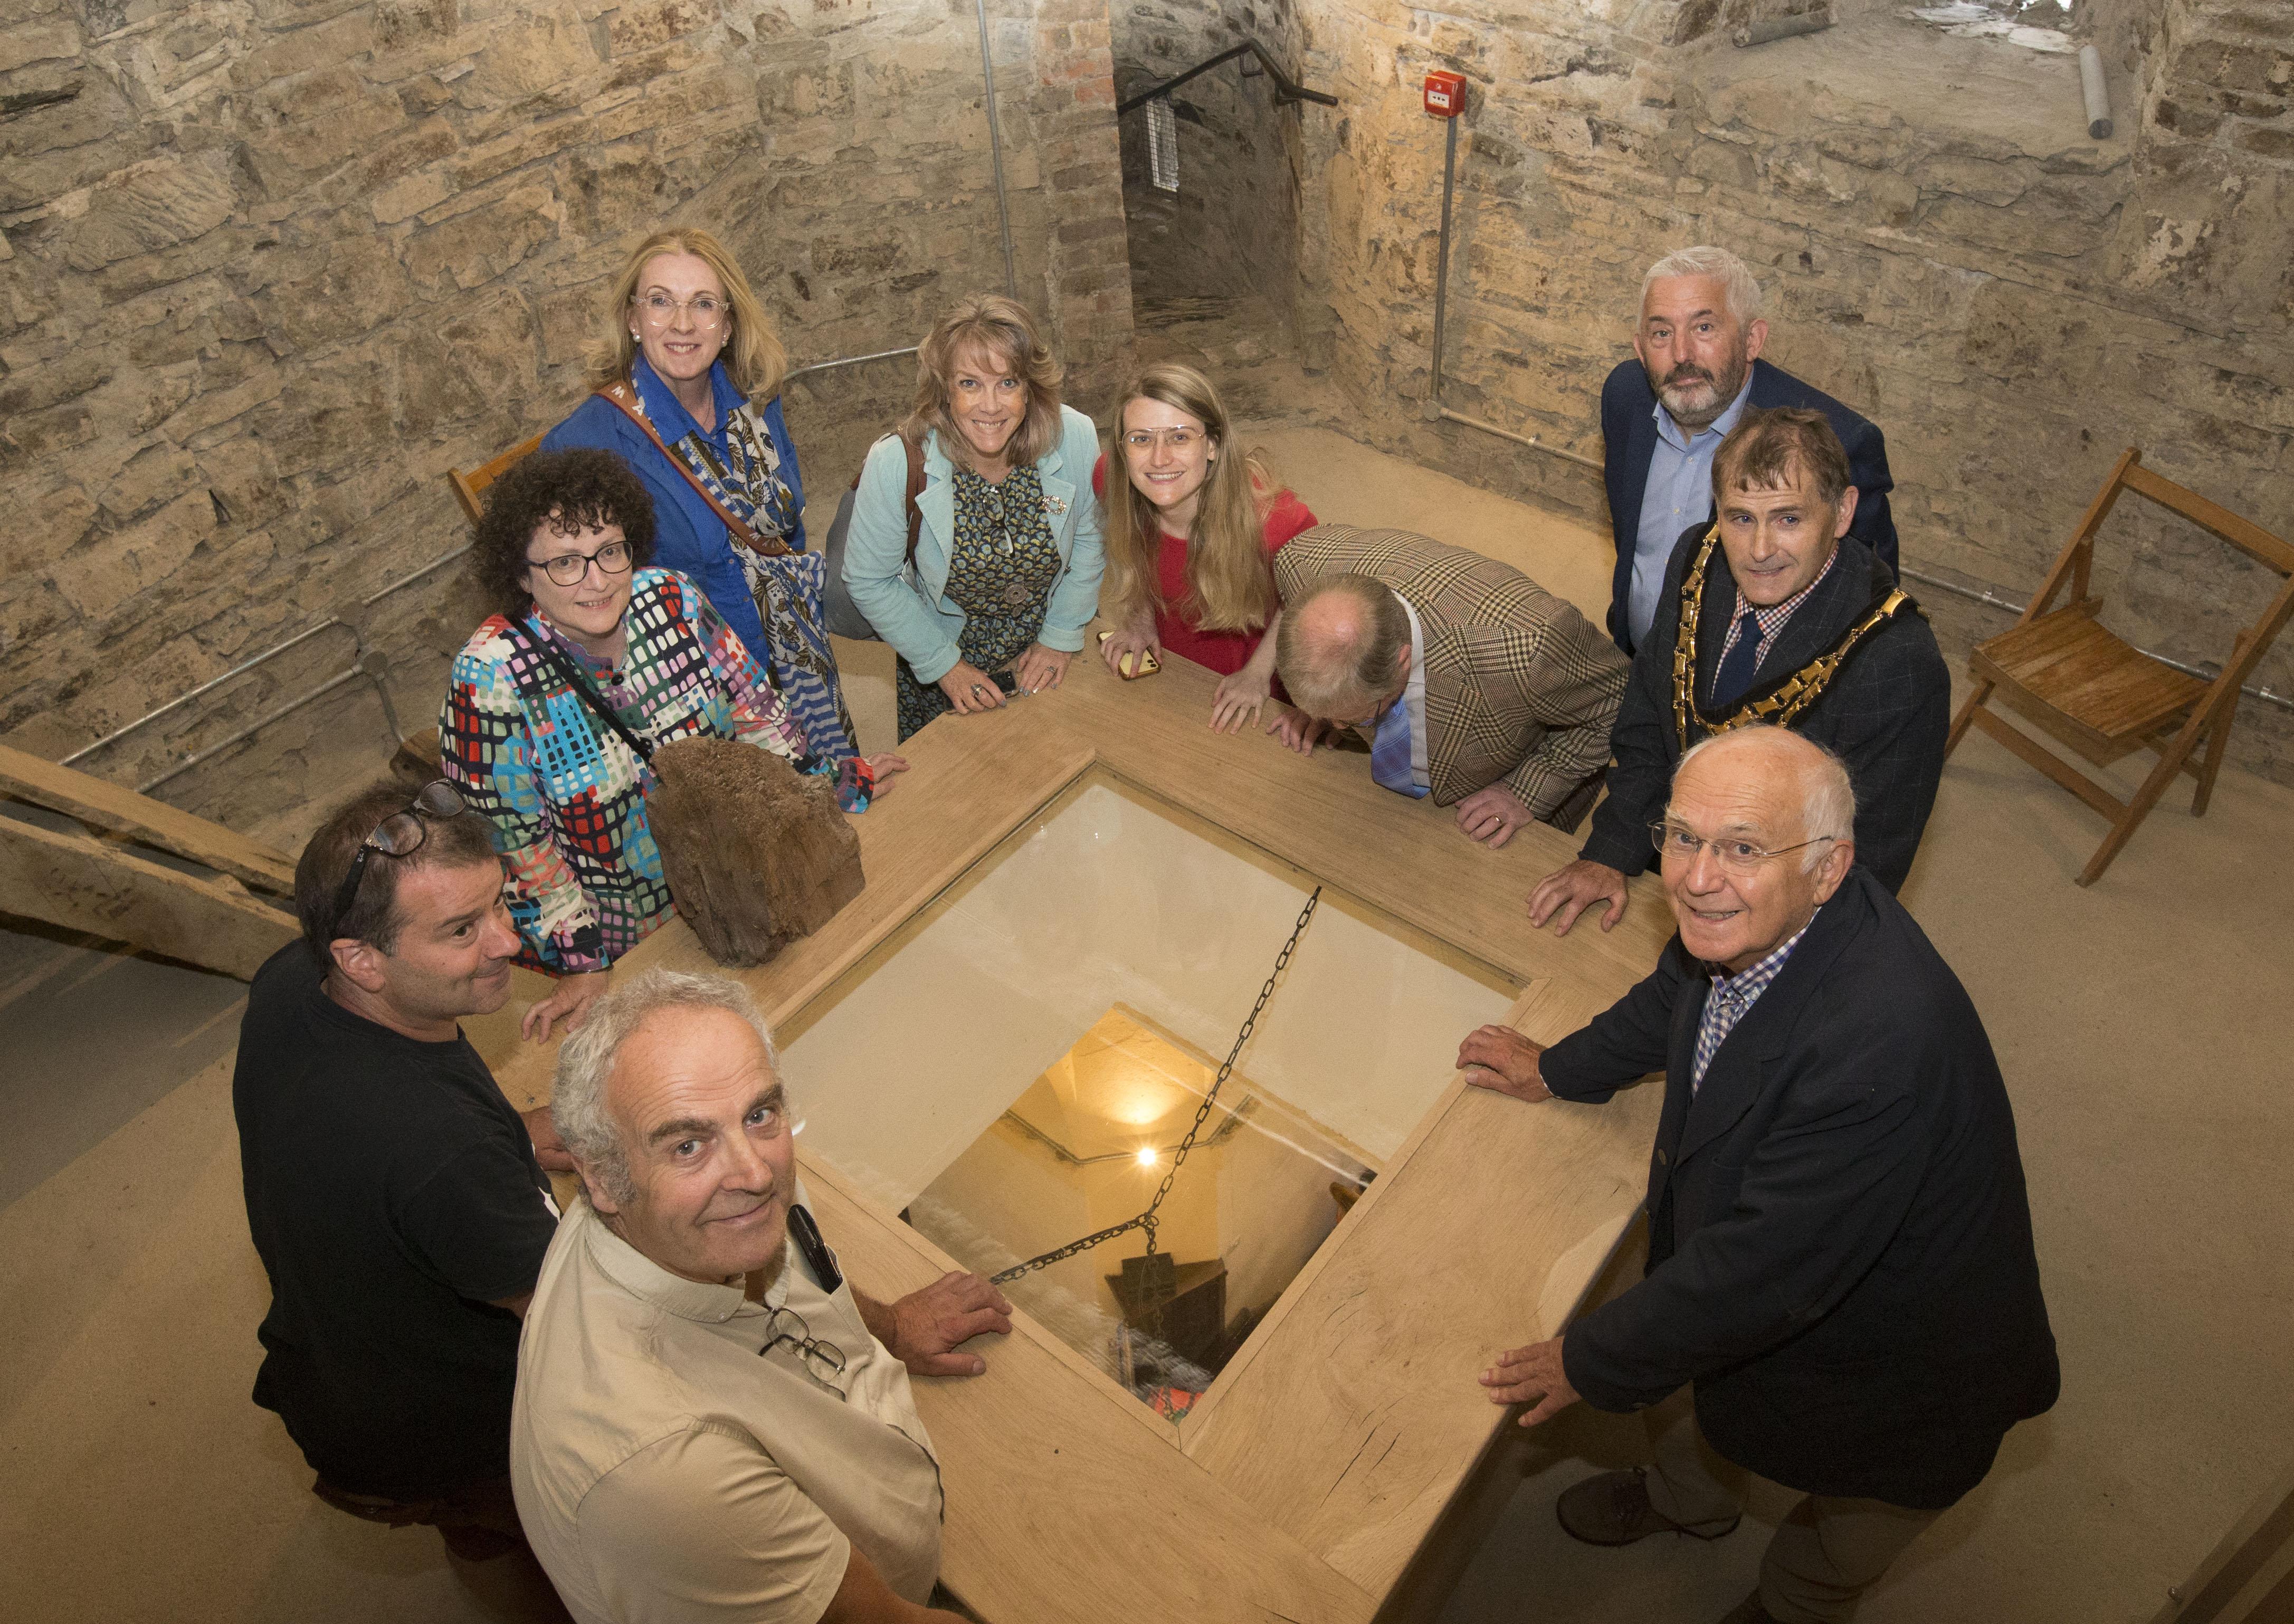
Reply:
x=1326, y=676
x=585, y=1062
x=1827, y=805
x=1740, y=290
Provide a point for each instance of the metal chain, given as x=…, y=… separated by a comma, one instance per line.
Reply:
x=1146, y=1221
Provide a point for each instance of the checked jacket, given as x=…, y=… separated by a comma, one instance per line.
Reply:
x=1520, y=688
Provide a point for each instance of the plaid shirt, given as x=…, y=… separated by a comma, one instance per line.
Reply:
x=1732, y=1000
x=1772, y=620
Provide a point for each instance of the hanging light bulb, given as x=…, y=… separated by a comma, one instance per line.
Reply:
x=1146, y=1155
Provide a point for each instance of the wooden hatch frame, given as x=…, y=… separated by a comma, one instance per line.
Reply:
x=1303, y=1485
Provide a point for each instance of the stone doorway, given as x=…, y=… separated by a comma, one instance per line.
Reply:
x=1220, y=253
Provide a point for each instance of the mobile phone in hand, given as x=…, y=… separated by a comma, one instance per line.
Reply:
x=1133, y=666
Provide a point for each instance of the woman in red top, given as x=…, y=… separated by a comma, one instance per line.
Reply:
x=1189, y=540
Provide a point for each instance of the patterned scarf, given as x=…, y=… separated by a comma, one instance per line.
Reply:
x=789, y=589
x=747, y=479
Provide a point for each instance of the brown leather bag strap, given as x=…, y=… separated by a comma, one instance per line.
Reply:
x=915, y=490
x=626, y=398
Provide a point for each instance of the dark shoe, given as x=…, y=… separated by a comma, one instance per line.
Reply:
x=1613, y=1508
x=1750, y=1612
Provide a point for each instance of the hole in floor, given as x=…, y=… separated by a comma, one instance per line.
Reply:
x=998, y=1066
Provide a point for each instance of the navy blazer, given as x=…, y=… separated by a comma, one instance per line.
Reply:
x=1886, y=713
x=1840, y=1240
x=1628, y=440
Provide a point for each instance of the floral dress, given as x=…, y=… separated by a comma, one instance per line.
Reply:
x=1000, y=573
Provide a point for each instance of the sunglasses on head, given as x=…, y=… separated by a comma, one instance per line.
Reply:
x=400, y=835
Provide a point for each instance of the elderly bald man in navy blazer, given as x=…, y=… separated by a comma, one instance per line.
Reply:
x=1842, y=1292
x=1697, y=369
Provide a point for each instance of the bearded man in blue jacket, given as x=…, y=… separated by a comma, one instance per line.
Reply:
x=1697, y=370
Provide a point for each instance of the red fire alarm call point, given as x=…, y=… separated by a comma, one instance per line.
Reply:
x=1445, y=93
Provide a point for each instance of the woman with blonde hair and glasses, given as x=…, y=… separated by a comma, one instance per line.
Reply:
x=1190, y=537
x=992, y=594
x=688, y=373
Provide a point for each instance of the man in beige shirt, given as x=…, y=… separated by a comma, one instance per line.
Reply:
x=709, y=1424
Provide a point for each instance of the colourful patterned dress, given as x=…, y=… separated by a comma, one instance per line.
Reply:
x=566, y=796
x=999, y=573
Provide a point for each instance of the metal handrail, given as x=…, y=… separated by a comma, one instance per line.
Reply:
x=830, y=366
x=1287, y=89
x=365, y=662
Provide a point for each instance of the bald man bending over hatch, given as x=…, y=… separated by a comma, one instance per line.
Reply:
x=1841, y=1293
x=710, y=1424
x=1472, y=683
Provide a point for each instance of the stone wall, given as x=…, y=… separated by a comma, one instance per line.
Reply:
x=1940, y=244
x=1231, y=231
x=268, y=268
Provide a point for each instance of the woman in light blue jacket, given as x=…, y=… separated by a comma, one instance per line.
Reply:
x=1004, y=572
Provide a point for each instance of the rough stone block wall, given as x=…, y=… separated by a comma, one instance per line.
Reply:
x=268, y=268
x=1940, y=244
x=1231, y=229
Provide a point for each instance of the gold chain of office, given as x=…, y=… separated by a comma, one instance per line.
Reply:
x=1146, y=1221
x=1796, y=695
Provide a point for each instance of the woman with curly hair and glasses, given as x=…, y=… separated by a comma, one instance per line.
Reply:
x=686, y=371
x=584, y=629
x=994, y=593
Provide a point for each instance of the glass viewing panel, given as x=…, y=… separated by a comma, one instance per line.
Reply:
x=1000, y=1067
x=1085, y=1147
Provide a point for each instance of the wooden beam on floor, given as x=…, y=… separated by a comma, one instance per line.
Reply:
x=80, y=883
x=104, y=804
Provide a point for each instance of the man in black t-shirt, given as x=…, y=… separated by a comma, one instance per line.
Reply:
x=394, y=1193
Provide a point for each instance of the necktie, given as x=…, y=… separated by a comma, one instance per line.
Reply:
x=1389, y=751
x=1735, y=672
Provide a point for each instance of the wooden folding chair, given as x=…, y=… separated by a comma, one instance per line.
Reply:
x=417, y=759
x=469, y=487
x=2101, y=695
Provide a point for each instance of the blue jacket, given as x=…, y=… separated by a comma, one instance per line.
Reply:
x=689, y=536
x=908, y=604
x=1628, y=435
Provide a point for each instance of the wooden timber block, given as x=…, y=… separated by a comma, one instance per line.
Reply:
x=80, y=883
x=102, y=805
x=756, y=853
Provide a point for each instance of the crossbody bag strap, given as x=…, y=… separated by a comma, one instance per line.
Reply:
x=915, y=491
x=642, y=747
x=625, y=398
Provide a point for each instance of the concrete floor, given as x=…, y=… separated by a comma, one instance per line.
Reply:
x=2141, y=1026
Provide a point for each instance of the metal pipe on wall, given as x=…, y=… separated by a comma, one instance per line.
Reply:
x=1435, y=410
x=830, y=366
x=1530, y=440
x=996, y=151
x=2094, y=93
x=1442, y=254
